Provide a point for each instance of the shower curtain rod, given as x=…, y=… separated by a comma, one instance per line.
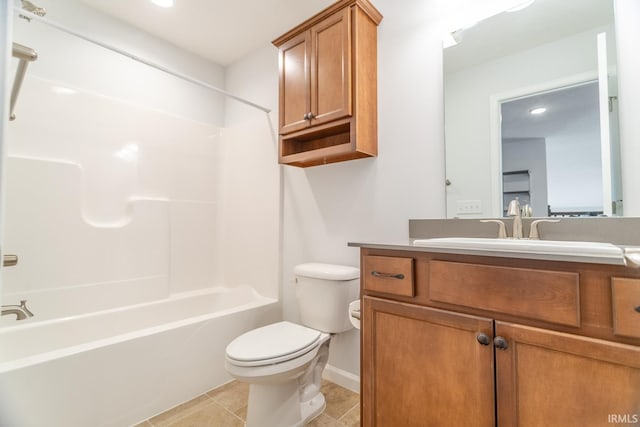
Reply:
x=138, y=59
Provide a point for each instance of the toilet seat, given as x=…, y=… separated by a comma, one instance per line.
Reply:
x=271, y=344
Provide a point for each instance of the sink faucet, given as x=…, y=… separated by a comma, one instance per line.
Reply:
x=21, y=311
x=514, y=211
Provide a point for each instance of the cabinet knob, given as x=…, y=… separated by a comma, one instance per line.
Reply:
x=500, y=343
x=637, y=309
x=308, y=116
x=483, y=339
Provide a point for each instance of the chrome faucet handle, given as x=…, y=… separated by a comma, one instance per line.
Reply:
x=533, y=229
x=502, y=230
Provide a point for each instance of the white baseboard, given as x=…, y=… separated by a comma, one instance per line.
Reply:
x=342, y=378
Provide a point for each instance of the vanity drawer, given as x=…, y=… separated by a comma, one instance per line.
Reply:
x=626, y=306
x=551, y=296
x=391, y=275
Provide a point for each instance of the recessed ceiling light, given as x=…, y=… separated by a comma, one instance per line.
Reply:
x=163, y=3
x=538, y=110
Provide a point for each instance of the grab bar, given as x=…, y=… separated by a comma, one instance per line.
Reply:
x=25, y=55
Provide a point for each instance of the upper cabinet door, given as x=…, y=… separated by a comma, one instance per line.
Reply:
x=331, y=68
x=328, y=93
x=295, y=83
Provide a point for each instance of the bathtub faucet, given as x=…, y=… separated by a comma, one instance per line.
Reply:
x=21, y=311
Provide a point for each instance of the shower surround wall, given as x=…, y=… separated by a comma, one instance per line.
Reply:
x=116, y=197
x=113, y=172
x=107, y=203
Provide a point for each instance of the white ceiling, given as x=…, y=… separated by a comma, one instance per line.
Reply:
x=222, y=31
x=542, y=22
x=565, y=107
x=507, y=33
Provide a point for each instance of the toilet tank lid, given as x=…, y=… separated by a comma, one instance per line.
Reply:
x=326, y=271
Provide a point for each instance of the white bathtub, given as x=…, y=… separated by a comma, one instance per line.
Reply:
x=118, y=367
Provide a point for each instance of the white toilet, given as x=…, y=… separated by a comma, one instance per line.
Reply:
x=283, y=362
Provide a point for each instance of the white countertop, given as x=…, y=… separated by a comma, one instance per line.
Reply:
x=627, y=255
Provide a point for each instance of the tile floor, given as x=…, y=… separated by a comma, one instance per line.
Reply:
x=226, y=406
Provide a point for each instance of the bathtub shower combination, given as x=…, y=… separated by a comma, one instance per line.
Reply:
x=112, y=206
x=120, y=366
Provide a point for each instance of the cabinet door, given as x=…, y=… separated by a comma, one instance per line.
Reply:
x=548, y=379
x=331, y=68
x=295, y=83
x=425, y=367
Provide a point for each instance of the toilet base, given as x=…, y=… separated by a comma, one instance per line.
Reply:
x=291, y=402
x=280, y=405
x=312, y=408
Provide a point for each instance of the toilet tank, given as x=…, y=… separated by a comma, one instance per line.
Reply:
x=324, y=292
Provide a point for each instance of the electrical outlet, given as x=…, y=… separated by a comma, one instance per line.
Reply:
x=467, y=207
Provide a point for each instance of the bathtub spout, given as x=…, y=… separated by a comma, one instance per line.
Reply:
x=21, y=311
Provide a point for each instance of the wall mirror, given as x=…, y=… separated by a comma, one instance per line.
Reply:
x=554, y=58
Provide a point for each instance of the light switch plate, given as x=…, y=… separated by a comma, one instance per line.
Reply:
x=467, y=207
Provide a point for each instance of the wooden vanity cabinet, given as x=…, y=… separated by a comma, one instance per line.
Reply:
x=528, y=343
x=548, y=378
x=328, y=80
x=425, y=367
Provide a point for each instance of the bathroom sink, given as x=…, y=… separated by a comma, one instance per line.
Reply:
x=526, y=246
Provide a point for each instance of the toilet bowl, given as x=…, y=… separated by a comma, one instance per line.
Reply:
x=278, y=396
x=283, y=362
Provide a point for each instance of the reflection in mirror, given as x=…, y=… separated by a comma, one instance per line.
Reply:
x=561, y=162
x=551, y=157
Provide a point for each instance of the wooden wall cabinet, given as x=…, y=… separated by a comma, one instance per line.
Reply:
x=508, y=352
x=328, y=86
